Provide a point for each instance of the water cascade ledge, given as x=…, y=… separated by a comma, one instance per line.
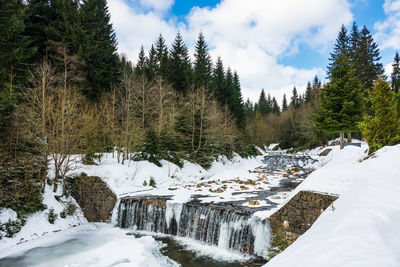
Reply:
x=222, y=225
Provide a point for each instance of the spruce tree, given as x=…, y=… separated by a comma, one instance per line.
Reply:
x=202, y=64
x=37, y=20
x=238, y=109
x=354, y=41
x=151, y=64
x=341, y=47
x=179, y=66
x=140, y=68
x=263, y=104
x=284, y=103
x=295, y=100
x=218, y=82
x=309, y=93
x=341, y=106
x=316, y=86
x=14, y=55
x=275, y=107
x=366, y=61
x=381, y=128
x=396, y=73
x=161, y=57
x=99, y=49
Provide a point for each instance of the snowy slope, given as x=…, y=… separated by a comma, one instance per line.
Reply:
x=363, y=228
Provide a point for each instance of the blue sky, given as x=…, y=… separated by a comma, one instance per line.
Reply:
x=272, y=44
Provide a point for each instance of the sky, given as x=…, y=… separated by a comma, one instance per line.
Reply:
x=273, y=45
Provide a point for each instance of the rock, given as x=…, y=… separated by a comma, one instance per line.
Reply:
x=93, y=196
x=254, y=202
x=325, y=152
x=286, y=224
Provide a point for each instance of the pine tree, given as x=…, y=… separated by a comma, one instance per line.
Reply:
x=37, y=20
x=284, y=103
x=381, y=128
x=396, y=73
x=99, y=49
x=14, y=55
x=295, y=100
x=316, y=86
x=218, y=82
x=341, y=106
x=151, y=64
x=140, y=68
x=161, y=57
x=202, y=64
x=275, y=107
x=354, y=41
x=341, y=47
x=366, y=61
x=309, y=93
x=180, y=66
x=238, y=109
x=63, y=31
x=263, y=104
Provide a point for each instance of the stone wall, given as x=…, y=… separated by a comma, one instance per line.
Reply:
x=297, y=216
x=93, y=196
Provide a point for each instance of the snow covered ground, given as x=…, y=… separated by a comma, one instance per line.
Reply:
x=363, y=227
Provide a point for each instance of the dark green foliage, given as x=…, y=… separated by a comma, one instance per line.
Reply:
x=98, y=49
x=275, y=107
x=144, y=183
x=382, y=128
x=366, y=61
x=295, y=100
x=12, y=227
x=180, y=69
x=341, y=48
x=71, y=208
x=51, y=216
x=202, y=64
x=63, y=214
x=152, y=182
x=263, y=105
x=396, y=73
x=342, y=103
x=162, y=60
x=218, y=83
x=284, y=103
x=246, y=150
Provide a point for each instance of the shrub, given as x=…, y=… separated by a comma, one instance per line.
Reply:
x=51, y=216
x=152, y=182
x=145, y=183
x=71, y=208
x=278, y=243
x=63, y=214
x=12, y=227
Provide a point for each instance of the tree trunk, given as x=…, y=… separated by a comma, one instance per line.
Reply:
x=341, y=140
x=349, y=138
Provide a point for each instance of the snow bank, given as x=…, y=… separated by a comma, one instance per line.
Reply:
x=362, y=228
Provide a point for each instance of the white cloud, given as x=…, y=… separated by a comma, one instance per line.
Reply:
x=250, y=36
x=159, y=6
x=388, y=31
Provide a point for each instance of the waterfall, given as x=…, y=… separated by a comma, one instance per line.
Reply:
x=220, y=225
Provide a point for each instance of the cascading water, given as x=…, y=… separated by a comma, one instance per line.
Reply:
x=220, y=225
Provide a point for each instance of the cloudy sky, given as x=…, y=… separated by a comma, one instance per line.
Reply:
x=272, y=44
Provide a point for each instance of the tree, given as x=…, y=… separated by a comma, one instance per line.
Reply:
x=284, y=103
x=309, y=93
x=381, y=128
x=295, y=100
x=14, y=54
x=218, y=82
x=237, y=108
x=341, y=48
x=396, y=73
x=263, y=104
x=161, y=57
x=202, y=64
x=366, y=61
x=341, y=106
x=180, y=66
x=354, y=42
x=99, y=49
x=275, y=107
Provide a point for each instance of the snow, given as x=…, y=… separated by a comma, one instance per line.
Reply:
x=92, y=245
x=7, y=214
x=37, y=224
x=362, y=227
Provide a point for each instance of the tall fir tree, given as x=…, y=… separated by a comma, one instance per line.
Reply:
x=218, y=82
x=99, y=49
x=180, y=71
x=366, y=61
x=202, y=64
x=263, y=104
x=14, y=55
x=284, y=103
x=151, y=64
x=295, y=99
x=238, y=108
x=161, y=57
x=341, y=106
x=396, y=73
x=354, y=41
x=341, y=47
x=309, y=93
x=275, y=107
x=140, y=68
